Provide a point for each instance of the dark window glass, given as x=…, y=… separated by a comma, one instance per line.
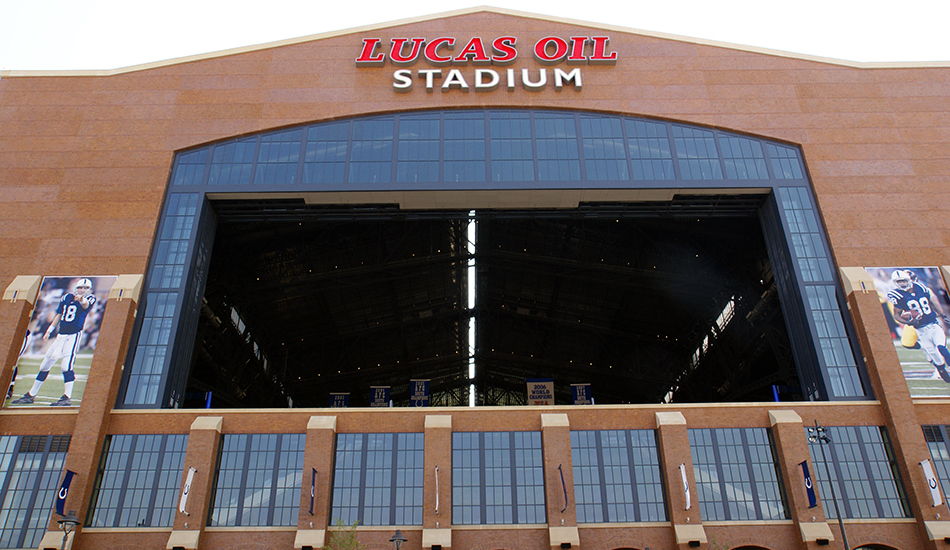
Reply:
x=936, y=437
x=31, y=468
x=371, y=155
x=617, y=476
x=556, y=141
x=190, y=167
x=325, y=156
x=860, y=462
x=419, y=144
x=138, y=479
x=736, y=474
x=231, y=163
x=743, y=158
x=605, y=156
x=650, y=152
x=377, y=479
x=785, y=162
x=278, y=158
x=497, y=478
x=512, y=152
x=696, y=153
x=152, y=346
x=258, y=480
x=463, y=144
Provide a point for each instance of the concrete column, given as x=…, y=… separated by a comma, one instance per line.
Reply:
x=900, y=418
x=318, y=455
x=674, y=452
x=102, y=386
x=792, y=449
x=562, y=515
x=437, y=492
x=204, y=439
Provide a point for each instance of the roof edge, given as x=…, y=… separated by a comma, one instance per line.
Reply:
x=467, y=11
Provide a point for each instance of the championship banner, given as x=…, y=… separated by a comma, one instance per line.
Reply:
x=186, y=490
x=685, y=485
x=313, y=483
x=379, y=396
x=580, y=394
x=419, y=393
x=63, y=491
x=809, y=485
x=932, y=482
x=540, y=391
x=339, y=400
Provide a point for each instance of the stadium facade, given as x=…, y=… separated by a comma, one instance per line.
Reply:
x=142, y=178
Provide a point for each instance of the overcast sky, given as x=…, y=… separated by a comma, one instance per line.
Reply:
x=109, y=34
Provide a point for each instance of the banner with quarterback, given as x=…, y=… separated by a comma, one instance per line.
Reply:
x=915, y=303
x=56, y=355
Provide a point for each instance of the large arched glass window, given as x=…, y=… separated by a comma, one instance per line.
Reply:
x=492, y=150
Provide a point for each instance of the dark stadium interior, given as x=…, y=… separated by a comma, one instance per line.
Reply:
x=305, y=300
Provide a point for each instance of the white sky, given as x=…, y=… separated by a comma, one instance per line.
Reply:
x=109, y=34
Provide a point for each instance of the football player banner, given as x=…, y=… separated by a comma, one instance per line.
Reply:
x=540, y=391
x=379, y=396
x=419, y=393
x=915, y=304
x=580, y=394
x=54, y=362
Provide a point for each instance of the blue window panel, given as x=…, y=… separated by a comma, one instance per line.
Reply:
x=512, y=150
x=231, y=163
x=651, y=155
x=743, y=158
x=464, y=147
x=556, y=142
x=419, y=149
x=31, y=468
x=189, y=168
x=605, y=155
x=786, y=163
x=371, y=154
x=696, y=154
x=278, y=158
x=325, y=153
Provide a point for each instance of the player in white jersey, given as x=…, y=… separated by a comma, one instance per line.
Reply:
x=70, y=318
x=915, y=305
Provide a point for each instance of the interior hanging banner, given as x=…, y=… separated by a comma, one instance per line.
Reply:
x=540, y=391
x=379, y=396
x=419, y=393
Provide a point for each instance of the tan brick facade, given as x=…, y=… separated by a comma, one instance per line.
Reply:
x=85, y=160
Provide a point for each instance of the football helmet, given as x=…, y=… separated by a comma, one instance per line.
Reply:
x=83, y=286
x=902, y=278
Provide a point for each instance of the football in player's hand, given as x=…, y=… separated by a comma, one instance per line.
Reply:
x=911, y=315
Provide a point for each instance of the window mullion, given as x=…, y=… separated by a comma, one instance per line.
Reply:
x=750, y=470
x=156, y=482
x=633, y=475
x=364, y=458
x=723, y=493
x=393, y=479
x=512, y=454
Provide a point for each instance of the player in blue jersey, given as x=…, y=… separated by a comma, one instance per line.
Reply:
x=70, y=318
x=915, y=305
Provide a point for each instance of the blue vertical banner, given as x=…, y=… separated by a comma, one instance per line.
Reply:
x=63, y=491
x=379, y=396
x=540, y=391
x=580, y=394
x=809, y=485
x=339, y=400
x=313, y=484
x=419, y=393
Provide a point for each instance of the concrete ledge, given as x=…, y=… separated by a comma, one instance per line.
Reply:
x=208, y=423
x=670, y=419
x=127, y=287
x=438, y=421
x=686, y=533
x=436, y=537
x=23, y=287
x=314, y=538
x=322, y=423
x=937, y=530
x=814, y=531
x=53, y=540
x=784, y=417
x=555, y=421
x=561, y=535
x=183, y=539
x=856, y=279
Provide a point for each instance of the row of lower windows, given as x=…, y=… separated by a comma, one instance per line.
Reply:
x=497, y=478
